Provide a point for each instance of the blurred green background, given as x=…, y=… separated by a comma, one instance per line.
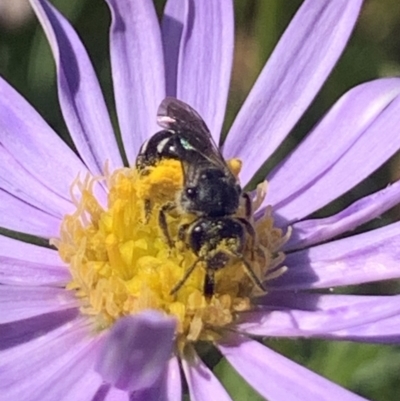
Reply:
x=373, y=51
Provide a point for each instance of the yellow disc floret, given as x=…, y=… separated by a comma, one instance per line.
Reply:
x=121, y=263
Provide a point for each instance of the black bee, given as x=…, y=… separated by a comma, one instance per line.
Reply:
x=210, y=191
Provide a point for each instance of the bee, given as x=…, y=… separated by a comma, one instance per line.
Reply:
x=210, y=191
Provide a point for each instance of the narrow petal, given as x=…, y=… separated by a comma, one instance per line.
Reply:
x=19, y=216
x=138, y=70
x=17, y=303
x=174, y=19
x=174, y=382
x=201, y=380
x=363, y=258
x=22, y=331
x=310, y=232
x=149, y=338
x=65, y=326
x=385, y=331
x=278, y=378
x=19, y=272
x=19, y=250
x=19, y=182
x=300, y=64
x=364, y=122
x=311, y=315
x=30, y=141
x=205, y=57
x=27, y=264
x=81, y=100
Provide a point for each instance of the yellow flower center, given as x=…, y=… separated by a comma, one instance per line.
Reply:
x=121, y=262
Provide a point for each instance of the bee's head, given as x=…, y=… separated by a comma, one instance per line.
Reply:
x=209, y=236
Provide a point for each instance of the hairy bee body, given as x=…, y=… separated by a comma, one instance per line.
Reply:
x=211, y=192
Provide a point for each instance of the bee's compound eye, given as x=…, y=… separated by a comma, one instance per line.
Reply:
x=191, y=192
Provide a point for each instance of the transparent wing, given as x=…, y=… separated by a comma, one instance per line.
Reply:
x=175, y=115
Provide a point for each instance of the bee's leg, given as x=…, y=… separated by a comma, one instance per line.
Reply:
x=147, y=210
x=251, y=273
x=248, y=206
x=209, y=283
x=162, y=221
x=182, y=232
x=185, y=277
x=252, y=234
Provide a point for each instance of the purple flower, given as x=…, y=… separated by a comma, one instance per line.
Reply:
x=54, y=346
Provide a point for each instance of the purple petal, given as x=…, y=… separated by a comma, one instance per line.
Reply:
x=295, y=72
x=365, y=125
x=310, y=232
x=20, y=216
x=205, y=56
x=76, y=381
x=13, y=248
x=17, y=303
x=149, y=338
x=30, y=141
x=81, y=100
x=22, y=331
x=175, y=15
x=166, y=388
x=386, y=331
x=107, y=393
x=79, y=383
x=28, y=264
x=49, y=365
x=173, y=384
x=19, y=272
x=137, y=69
x=19, y=182
x=201, y=380
x=278, y=378
x=310, y=315
x=363, y=258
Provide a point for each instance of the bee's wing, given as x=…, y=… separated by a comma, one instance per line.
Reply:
x=195, y=136
x=173, y=113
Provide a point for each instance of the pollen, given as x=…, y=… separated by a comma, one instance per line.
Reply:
x=121, y=262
